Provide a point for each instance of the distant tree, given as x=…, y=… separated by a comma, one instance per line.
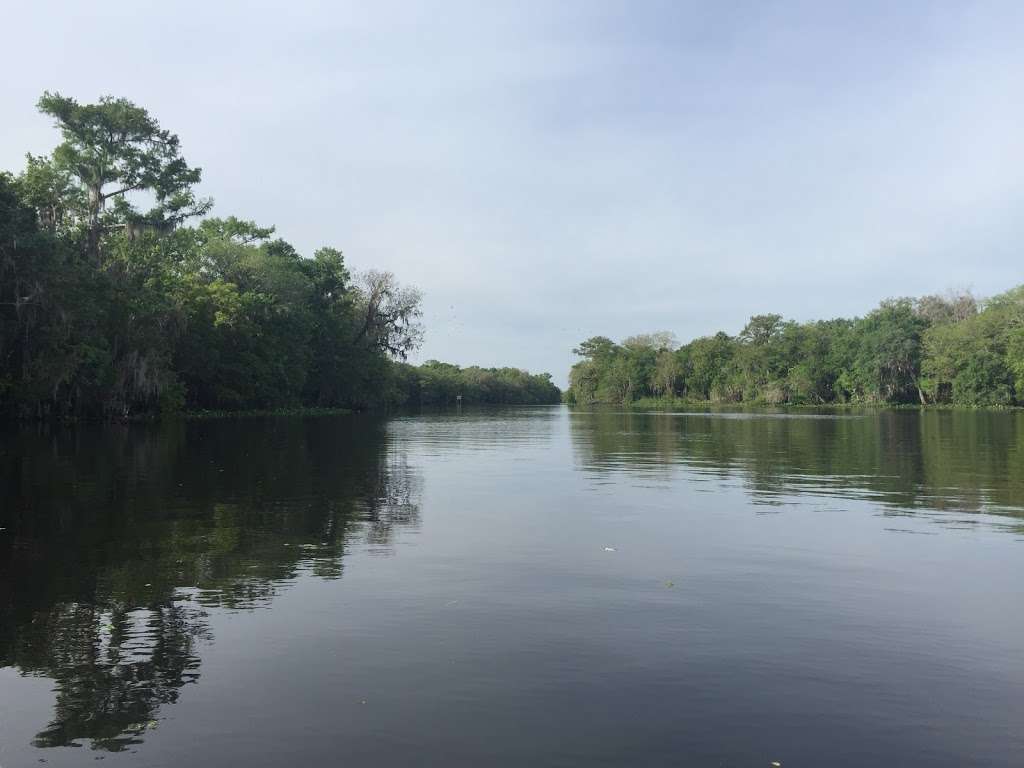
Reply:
x=972, y=361
x=333, y=318
x=583, y=381
x=668, y=374
x=951, y=308
x=596, y=348
x=890, y=352
x=761, y=329
x=949, y=348
x=709, y=357
x=657, y=341
x=390, y=313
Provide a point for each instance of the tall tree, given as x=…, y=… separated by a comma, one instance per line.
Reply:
x=761, y=329
x=221, y=315
x=114, y=148
x=390, y=313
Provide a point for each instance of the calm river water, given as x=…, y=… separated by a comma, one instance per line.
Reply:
x=518, y=587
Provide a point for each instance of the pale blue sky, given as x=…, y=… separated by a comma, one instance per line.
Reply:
x=550, y=171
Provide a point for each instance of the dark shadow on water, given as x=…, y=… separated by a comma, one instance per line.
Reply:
x=116, y=540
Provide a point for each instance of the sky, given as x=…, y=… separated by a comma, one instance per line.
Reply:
x=549, y=171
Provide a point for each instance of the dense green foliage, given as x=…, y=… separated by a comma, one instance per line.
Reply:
x=435, y=383
x=106, y=309
x=952, y=350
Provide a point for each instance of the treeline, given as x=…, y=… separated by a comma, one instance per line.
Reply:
x=950, y=349
x=435, y=383
x=107, y=309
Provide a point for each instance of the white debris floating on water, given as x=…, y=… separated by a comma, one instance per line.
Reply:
x=609, y=549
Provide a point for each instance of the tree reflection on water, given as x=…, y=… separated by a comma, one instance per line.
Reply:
x=117, y=539
x=953, y=464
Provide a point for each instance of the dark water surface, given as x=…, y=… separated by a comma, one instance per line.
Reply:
x=830, y=590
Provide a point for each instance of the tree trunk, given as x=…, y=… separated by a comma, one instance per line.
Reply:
x=92, y=245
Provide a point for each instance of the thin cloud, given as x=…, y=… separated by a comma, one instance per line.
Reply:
x=554, y=171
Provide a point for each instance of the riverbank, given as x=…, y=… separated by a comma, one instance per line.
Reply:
x=200, y=415
x=664, y=404
x=297, y=411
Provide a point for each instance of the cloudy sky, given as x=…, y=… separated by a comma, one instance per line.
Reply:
x=547, y=171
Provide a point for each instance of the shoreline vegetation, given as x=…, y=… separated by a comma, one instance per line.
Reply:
x=311, y=412
x=665, y=404
x=952, y=351
x=114, y=306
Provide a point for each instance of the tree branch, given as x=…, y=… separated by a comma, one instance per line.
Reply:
x=121, y=191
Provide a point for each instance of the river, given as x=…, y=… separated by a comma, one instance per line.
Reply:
x=516, y=587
